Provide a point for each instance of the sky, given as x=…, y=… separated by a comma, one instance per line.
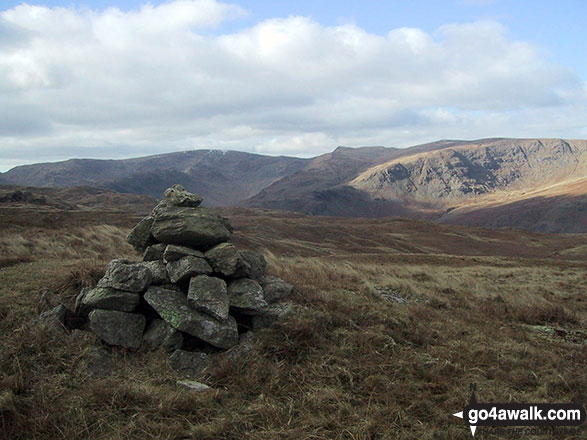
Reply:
x=115, y=79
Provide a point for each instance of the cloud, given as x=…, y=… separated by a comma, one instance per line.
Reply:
x=110, y=83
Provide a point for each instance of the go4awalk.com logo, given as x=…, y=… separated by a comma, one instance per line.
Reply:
x=520, y=414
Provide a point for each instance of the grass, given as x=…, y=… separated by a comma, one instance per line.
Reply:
x=348, y=365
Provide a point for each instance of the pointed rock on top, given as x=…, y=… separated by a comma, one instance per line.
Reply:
x=177, y=195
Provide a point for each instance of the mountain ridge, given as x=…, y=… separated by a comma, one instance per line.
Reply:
x=537, y=183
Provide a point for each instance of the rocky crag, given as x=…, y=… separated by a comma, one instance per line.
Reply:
x=194, y=294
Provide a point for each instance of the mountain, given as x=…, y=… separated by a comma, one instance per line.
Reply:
x=535, y=184
x=221, y=177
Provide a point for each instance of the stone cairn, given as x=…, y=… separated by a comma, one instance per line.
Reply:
x=193, y=294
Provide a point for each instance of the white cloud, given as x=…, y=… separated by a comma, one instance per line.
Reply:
x=79, y=82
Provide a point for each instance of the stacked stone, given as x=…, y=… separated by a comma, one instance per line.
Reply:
x=192, y=283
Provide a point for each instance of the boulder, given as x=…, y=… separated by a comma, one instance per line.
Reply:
x=178, y=196
x=186, y=268
x=124, y=275
x=54, y=318
x=246, y=343
x=226, y=260
x=189, y=363
x=256, y=264
x=175, y=309
x=158, y=271
x=174, y=252
x=118, y=328
x=272, y=314
x=275, y=289
x=159, y=334
x=154, y=252
x=105, y=298
x=209, y=295
x=140, y=237
x=198, y=228
x=246, y=296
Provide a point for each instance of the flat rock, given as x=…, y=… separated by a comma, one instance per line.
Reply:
x=193, y=385
x=124, y=275
x=160, y=334
x=189, y=363
x=226, y=260
x=275, y=289
x=106, y=298
x=272, y=314
x=154, y=252
x=175, y=309
x=174, y=252
x=246, y=296
x=140, y=237
x=118, y=328
x=158, y=271
x=256, y=264
x=209, y=295
x=199, y=228
x=186, y=268
x=177, y=195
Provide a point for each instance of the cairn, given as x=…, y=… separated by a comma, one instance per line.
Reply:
x=193, y=294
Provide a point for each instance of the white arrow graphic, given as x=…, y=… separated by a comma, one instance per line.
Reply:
x=473, y=427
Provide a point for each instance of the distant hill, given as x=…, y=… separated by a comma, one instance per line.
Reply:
x=535, y=184
x=222, y=178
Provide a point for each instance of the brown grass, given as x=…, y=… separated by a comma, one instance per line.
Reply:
x=348, y=365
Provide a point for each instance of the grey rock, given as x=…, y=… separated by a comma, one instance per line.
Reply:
x=246, y=343
x=272, y=314
x=256, y=264
x=124, y=275
x=79, y=301
x=158, y=271
x=226, y=260
x=173, y=287
x=209, y=295
x=193, y=385
x=175, y=309
x=178, y=196
x=186, y=268
x=246, y=296
x=199, y=228
x=118, y=328
x=159, y=334
x=154, y=252
x=189, y=363
x=106, y=298
x=54, y=318
x=140, y=237
x=275, y=289
x=174, y=252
